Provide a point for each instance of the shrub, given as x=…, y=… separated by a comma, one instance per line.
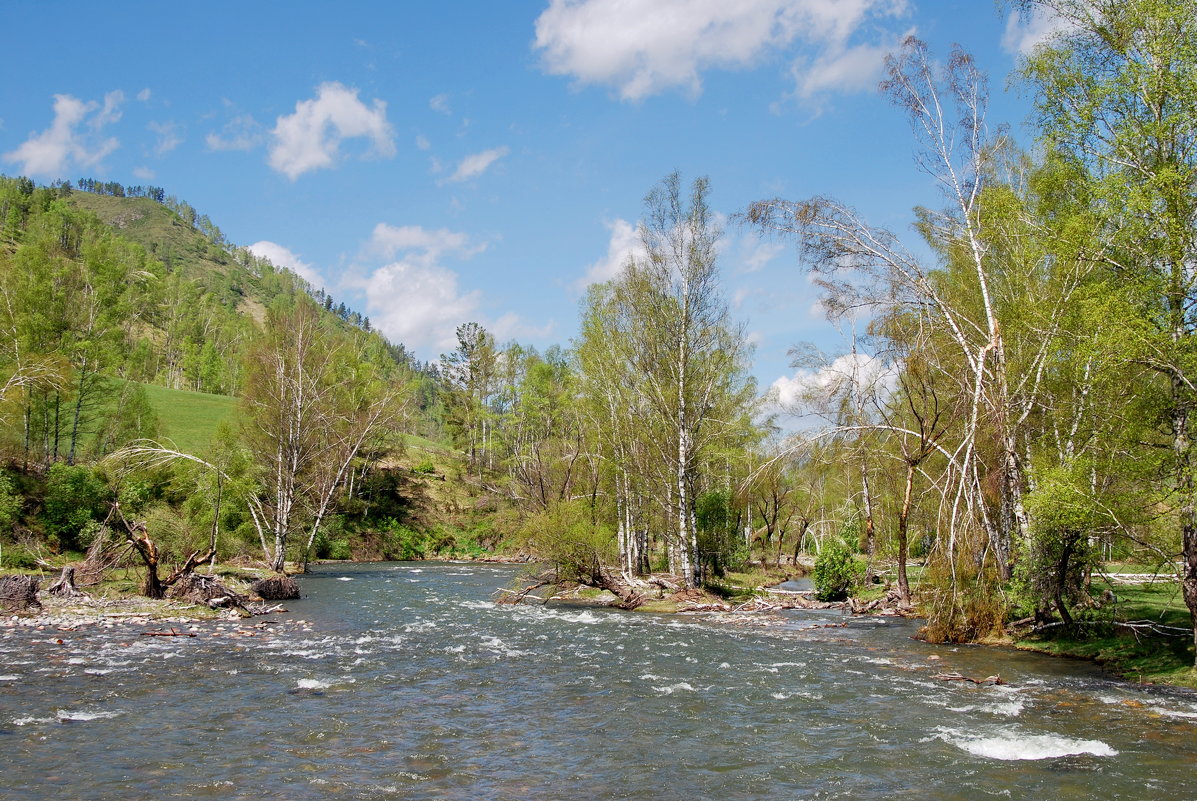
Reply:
x=74, y=497
x=836, y=571
x=399, y=542
x=10, y=503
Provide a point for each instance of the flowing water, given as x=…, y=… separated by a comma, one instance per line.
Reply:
x=406, y=681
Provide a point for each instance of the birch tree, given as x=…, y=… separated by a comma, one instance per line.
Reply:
x=679, y=349
x=1117, y=96
x=310, y=406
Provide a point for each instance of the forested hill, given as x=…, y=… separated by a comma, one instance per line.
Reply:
x=106, y=282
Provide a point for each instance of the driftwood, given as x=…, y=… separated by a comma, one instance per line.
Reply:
x=19, y=593
x=962, y=677
x=545, y=579
x=628, y=597
x=65, y=586
x=171, y=633
x=276, y=588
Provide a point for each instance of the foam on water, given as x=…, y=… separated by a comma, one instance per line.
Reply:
x=681, y=686
x=1012, y=744
x=64, y=715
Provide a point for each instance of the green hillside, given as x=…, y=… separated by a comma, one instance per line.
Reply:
x=162, y=232
x=189, y=419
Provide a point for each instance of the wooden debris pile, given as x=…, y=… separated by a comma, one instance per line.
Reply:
x=19, y=593
x=276, y=588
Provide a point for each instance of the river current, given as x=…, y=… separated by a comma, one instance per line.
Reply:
x=406, y=680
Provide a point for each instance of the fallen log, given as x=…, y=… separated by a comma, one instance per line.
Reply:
x=962, y=677
x=171, y=633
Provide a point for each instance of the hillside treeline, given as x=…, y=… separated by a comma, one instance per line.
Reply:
x=89, y=318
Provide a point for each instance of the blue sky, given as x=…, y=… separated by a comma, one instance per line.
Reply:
x=433, y=163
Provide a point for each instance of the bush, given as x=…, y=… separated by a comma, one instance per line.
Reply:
x=567, y=536
x=836, y=571
x=18, y=556
x=399, y=542
x=74, y=498
x=10, y=503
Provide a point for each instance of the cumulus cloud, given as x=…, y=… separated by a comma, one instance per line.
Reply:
x=280, y=256
x=811, y=387
x=413, y=298
x=74, y=139
x=623, y=245
x=644, y=47
x=440, y=103
x=1026, y=32
x=474, y=165
x=311, y=138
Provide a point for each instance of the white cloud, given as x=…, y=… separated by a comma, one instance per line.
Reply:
x=1024, y=33
x=144, y=173
x=420, y=244
x=644, y=47
x=67, y=143
x=623, y=245
x=280, y=256
x=144, y=95
x=168, y=136
x=513, y=327
x=474, y=165
x=816, y=386
x=311, y=137
x=743, y=294
x=440, y=103
x=240, y=133
x=846, y=69
x=418, y=306
x=110, y=112
x=414, y=299
x=422, y=142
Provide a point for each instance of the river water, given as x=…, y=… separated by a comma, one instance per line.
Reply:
x=406, y=681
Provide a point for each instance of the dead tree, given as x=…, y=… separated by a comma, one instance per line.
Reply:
x=147, y=549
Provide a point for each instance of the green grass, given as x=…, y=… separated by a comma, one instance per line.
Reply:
x=416, y=442
x=1137, y=656
x=189, y=419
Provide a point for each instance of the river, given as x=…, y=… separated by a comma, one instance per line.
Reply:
x=405, y=680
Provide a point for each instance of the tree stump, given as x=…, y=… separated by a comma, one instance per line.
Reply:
x=19, y=593
x=276, y=588
x=65, y=586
